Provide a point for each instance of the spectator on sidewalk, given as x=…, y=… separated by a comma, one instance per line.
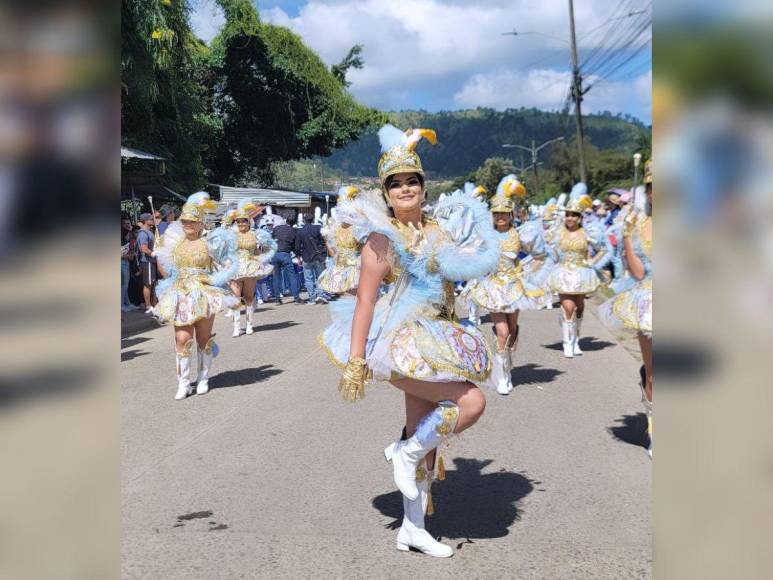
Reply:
x=168, y=215
x=310, y=246
x=128, y=260
x=284, y=234
x=145, y=241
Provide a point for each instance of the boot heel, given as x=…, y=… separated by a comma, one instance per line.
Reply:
x=389, y=451
x=403, y=547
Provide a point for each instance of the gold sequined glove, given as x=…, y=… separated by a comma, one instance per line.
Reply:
x=629, y=224
x=352, y=384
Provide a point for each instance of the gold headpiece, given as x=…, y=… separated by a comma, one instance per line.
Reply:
x=348, y=192
x=245, y=210
x=196, y=207
x=398, y=151
x=549, y=213
x=508, y=190
x=579, y=204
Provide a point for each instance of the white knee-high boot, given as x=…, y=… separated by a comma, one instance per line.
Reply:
x=183, y=360
x=237, y=321
x=567, y=333
x=206, y=356
x=250, y=308
x=576, y=341
x=412, y=533
x=405, y=455
x=502, y=360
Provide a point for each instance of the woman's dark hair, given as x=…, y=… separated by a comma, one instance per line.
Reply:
x=390, y=179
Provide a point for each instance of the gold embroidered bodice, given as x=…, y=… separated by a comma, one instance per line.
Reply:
x=247, y=241
x=646, y=245
x=192, y=254
x=348, y=248
x=573, y=249
x=511, y=245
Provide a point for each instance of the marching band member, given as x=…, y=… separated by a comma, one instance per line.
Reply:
x=196, y=274
x=409, y=335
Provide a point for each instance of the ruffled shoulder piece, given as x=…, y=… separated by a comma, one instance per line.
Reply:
x=532, y=237
x=471, y=245
x=263, y=237
x=595, y=231
x=367, y=214
x=165, y=248
x=222, y=243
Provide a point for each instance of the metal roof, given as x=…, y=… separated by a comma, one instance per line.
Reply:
x=265, y=196
x=129, y=153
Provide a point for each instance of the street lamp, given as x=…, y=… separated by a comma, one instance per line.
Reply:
x=534, y=151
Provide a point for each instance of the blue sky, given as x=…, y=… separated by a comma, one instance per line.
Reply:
x=451, y=54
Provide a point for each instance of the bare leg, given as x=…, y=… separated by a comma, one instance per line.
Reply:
x=568, y=304
x=580, y=305
x=182, y=334
x=501, y=328
x=204, y=331
x=467, y=396
x=236, y=288
x=645, y=343
x=512, y=326
x=248, y=290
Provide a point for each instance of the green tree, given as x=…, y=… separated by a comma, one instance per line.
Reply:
x=351, y=60
x=163, y=102
x=492, y=171
x=276, y=98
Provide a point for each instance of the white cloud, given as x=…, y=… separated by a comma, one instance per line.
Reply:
x=444, y=53
x=206, y=19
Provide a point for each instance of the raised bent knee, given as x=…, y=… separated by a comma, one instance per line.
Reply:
x=474, y=405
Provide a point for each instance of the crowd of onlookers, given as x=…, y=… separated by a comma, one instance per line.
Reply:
x=299, y=261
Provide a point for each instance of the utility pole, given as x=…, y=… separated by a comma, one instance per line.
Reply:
x=577, y=93
x=534, y=151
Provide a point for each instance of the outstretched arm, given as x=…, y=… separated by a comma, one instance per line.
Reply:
x=375, y=266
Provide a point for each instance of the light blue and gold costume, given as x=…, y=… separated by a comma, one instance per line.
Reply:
x=507, y=289
x=343, y=273
x=576, y=269
x=255, y=248
x=197, y=271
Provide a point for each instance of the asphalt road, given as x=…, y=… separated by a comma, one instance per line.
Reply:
x=271, y=475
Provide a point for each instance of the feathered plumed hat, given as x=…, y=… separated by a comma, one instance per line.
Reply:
x=579, y=200
x=245, y=210
x=508, y=191
x=398, y=153
x=196, y=206
x=550, y=210
x=347, y=193
x=475, y=190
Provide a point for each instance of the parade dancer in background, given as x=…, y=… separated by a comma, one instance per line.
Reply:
x=196, y=275
x=343, y=273
x=255, y=249
x=409, y=336
x=506, y=291
x=631, y=309
x=575, y=274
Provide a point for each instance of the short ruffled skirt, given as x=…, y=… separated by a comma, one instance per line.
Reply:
x=424, y=348
x=187, y=300
x=339, y=279
x=503, y=293
x=253, y=267
x=573, y=279
x=631, y=309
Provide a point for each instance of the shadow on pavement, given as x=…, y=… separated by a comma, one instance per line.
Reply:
x=131, y=354
x=632, y=430
x=243, y=377
x=469, y=504
x=274, y=326
x=589, y=343
x=127, y=342
x=533, y=374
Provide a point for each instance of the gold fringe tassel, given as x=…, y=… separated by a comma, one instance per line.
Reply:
x=430, y=505
x=441, y=468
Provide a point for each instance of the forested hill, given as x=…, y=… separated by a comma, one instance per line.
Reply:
x=467, y=138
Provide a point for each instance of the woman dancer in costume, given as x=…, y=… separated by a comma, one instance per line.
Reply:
x=255, y=248
x=506, y=291
x=409, y=335
x=631, y=309
x=196, y=274
x=575, y=274
x=343, y=274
